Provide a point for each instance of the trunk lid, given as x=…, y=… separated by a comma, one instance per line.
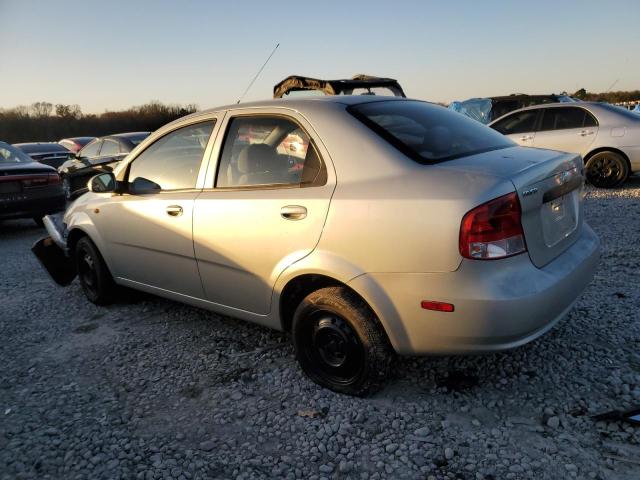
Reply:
x=549, y=185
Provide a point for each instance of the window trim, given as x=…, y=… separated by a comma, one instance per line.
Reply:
x=584, y=110
x=213, y=119
x=266, y=186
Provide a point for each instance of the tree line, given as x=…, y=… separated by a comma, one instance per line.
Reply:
x=46, y=122
x=610, y=97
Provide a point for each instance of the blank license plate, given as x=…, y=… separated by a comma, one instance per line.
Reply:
x=10, y=187
x=560, y=217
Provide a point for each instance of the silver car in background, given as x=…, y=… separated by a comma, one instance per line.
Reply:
x=393, y=226
x=607, y=137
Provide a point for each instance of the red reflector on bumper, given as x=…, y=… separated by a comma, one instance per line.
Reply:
x=437, y=306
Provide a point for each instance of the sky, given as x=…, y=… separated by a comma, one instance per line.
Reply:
x=113, y=54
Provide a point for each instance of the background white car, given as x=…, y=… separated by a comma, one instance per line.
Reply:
x=607, y=137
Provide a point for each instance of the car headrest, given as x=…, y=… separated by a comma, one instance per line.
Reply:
x=255, y=158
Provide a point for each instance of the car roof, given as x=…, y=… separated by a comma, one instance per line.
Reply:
x=128, y=134
x=31, y=147
x=77, y=138
x=301, y=103
x=559, y=105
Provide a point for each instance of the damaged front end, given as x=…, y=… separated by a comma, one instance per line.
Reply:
x=52, y=251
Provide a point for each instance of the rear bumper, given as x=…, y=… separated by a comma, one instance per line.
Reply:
x=31, y=204
x=633, y=153
x=498, y=304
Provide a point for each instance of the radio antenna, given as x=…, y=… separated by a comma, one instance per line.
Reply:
x=612, y=85
x=259, y=72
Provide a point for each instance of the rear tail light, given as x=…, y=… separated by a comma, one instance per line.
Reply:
x=54, y=178
x=493, y=230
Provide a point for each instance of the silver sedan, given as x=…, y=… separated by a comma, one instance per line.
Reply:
x=606, y=136
x=366, y=227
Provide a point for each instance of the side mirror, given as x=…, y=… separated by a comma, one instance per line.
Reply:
x=102, y=183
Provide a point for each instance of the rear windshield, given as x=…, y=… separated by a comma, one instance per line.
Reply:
x=10, y=154
x=426, y=132
x=41, y=147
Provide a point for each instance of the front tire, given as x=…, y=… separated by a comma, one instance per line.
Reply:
x=607, y=170
x=95, y=278
x=339, y=343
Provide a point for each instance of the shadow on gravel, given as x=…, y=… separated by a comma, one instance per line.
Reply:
x=17, y=228
x=86, y=328
x=458, y=381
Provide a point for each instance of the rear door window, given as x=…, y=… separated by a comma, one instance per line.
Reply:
x=564, y=118
x=91, y=150
x=268, y=151
x=109, y=148
x=519, y=122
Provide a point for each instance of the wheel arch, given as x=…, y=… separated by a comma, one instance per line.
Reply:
x=298, y=287
x=74, y=237
x=84, y=228
x=595, y=151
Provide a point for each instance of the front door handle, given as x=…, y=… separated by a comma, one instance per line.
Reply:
x=174, y=210
x=293, y=212
x=524, y=138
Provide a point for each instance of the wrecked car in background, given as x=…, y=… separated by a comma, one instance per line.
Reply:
x=358, y=85
x=495, y=249
x=100, y=155
x=485, y=110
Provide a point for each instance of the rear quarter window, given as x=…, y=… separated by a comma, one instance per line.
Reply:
x=428, y=133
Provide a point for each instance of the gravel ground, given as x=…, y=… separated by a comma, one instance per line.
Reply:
x=149, y=388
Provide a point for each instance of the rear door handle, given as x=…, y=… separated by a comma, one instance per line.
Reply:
x=174, y=210
x=293, y=212
x=524, y=138
x=584, y=133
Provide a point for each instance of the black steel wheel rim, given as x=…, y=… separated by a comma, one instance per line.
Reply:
x=87, y=270
x=333, y=350
x=604, y=170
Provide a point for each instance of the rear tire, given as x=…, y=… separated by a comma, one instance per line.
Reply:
x=607, y=170
x=95, y=278
x=339, y=343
